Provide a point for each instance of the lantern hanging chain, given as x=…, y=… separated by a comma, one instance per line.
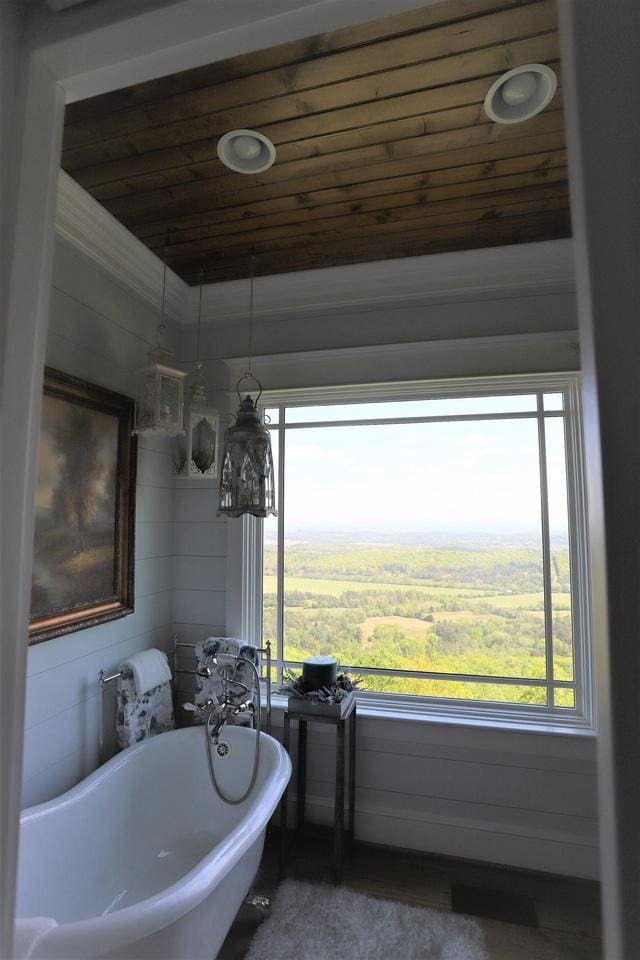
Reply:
x=162, y=326
x=249, y=370
x=198, y=363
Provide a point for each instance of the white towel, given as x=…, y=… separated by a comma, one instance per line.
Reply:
x=150, y=668
x=27, y=934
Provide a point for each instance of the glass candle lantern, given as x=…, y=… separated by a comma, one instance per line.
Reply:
x=159, y=395
x=196, y=450
x=247, y=482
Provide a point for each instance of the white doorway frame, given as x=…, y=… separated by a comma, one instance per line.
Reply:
x=92, y=50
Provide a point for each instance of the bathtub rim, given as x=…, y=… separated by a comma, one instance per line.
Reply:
x=148, y=916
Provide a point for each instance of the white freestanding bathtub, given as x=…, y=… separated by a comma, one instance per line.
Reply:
x=142, y=859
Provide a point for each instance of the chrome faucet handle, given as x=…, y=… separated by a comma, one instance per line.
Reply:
x=201, y=709
x=247, y=706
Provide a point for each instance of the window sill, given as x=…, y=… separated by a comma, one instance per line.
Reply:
x=412, y=714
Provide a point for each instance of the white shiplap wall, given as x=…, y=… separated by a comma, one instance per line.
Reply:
x=525, y=799
x=98, y=331
x=199, y=562
x=199, y=558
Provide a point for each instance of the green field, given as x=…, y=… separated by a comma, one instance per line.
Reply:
x=335, y=588
x=473, y=612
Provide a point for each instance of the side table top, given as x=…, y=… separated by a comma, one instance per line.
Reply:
x=309, y=710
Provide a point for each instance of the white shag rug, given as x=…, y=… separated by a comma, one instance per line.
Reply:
x=322, y=922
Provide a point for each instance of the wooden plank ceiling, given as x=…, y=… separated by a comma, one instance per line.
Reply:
x=383, y=146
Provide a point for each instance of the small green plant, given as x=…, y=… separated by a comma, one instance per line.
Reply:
x=295, y=686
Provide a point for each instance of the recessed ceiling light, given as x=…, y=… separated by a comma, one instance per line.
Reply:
x=520, y=93
x=246, y=151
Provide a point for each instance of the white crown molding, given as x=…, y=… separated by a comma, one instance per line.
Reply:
x=512, y=271
x=85, y=224
x=551, y=351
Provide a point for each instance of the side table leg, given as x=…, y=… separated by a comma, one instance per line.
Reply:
x=302, y=772
x=338, y=850
x=352, y=779
x=283, y=804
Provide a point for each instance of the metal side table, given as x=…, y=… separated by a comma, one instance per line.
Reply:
x=340, y=723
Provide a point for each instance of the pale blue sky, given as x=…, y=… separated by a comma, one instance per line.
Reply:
x=480, y=472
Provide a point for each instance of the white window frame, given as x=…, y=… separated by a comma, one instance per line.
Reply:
x=580, y=718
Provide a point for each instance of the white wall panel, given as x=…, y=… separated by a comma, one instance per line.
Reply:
x=200, y=539
x=421, y=786
x=152, y=574
x=154, y=466
x=199, y=606
x=196, y=632
x=341, y=329
x=199, y=573
x=154, y=504
x=195, y=503
x=100, y=333
x=63, y=354
x=154, y=538
x=52, y=691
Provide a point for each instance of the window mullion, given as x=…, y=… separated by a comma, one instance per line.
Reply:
x=579, y=555
x=280, y=546
x=546, y=552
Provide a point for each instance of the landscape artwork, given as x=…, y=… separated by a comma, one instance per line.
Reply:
x=82, y=564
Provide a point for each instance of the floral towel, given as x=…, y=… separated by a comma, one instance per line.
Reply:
x=206, y=688
x=140, y=717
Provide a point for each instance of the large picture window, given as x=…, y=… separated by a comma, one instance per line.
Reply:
x=432, y=537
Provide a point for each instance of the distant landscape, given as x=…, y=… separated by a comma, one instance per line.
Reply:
x=447, y=600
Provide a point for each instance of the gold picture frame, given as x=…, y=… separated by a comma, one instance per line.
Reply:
x=83, y=572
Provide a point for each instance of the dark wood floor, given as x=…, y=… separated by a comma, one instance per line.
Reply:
x=568, y=911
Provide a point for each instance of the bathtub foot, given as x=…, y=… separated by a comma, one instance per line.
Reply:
x=262, y=905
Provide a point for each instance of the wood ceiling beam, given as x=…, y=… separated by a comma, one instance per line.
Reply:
x=427, y=104
x=417, y=159
x=390, y=83
x=375, y=134
x=385, y=210
x=514, y=184
x=363, y=227
x=439, y=183
x=426, y=47
x=309, y=48
x=436, y=108
x=528, y=229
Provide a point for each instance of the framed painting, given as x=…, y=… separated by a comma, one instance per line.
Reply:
x=85, y=509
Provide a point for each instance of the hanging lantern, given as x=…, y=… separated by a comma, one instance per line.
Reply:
x=196, y=451
x=159, y=391
x=247, y=482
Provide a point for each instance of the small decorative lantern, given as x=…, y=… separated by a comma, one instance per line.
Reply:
x=159, y=393
x=247, y=482
x=196, y=451
x=159, y=396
